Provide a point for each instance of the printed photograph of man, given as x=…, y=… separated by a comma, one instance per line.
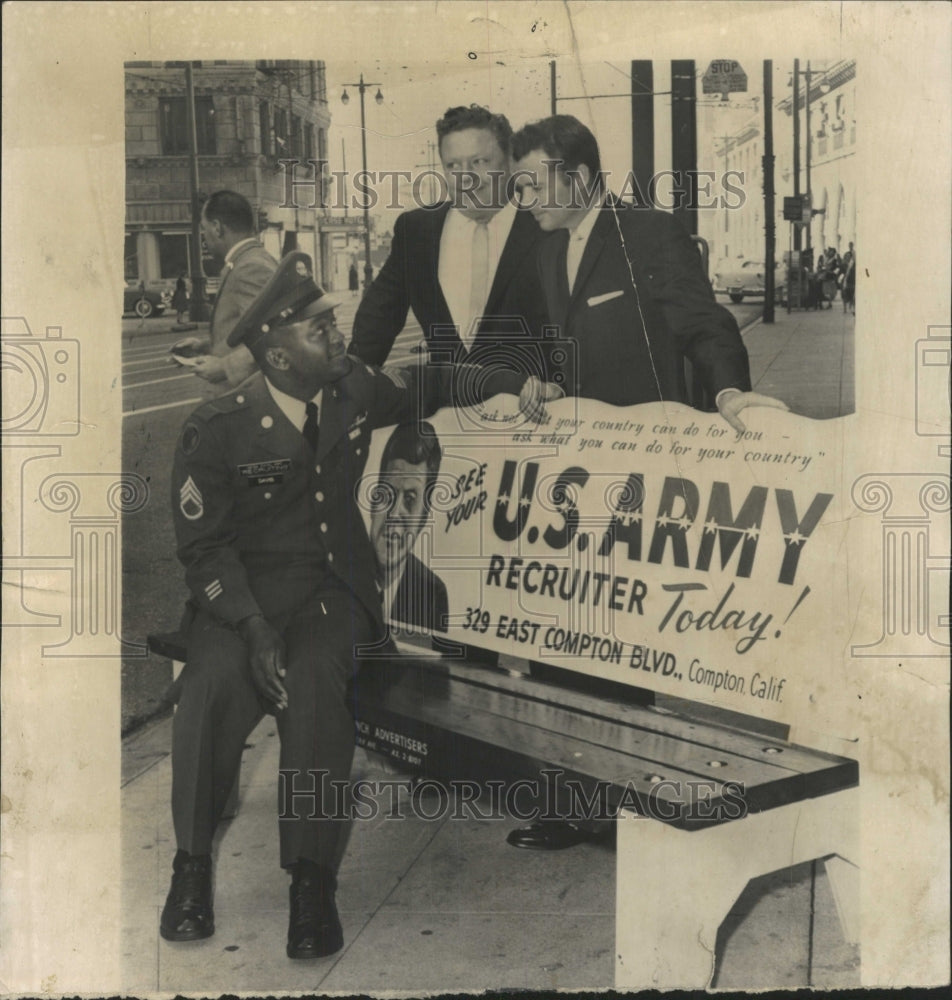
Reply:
x=412, y=593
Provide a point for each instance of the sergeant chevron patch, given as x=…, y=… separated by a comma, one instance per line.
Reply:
x=190, y=500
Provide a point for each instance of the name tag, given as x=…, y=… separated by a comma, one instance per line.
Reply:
x=265, y=473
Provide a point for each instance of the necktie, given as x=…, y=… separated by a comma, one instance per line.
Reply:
x=479, y=279
x=310, y=431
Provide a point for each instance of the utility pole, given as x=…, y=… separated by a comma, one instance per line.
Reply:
x=196, y=306
x=684, y=140
x=808, y=76
x=770, y=236
x=361, y=88
x=552, y=98
x=797, y=233
x=726, y=140
x=642, y=129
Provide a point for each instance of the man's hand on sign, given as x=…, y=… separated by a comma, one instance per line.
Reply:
x=535, y=394
x=731, y=401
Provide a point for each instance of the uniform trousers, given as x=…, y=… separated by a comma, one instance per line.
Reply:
x=220, y=705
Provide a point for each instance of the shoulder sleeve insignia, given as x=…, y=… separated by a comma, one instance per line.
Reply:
x=396, y=375
x=190, y=439
x=191, y=503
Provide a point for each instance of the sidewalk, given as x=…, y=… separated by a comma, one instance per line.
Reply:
x=806, y=359
x=438, y=904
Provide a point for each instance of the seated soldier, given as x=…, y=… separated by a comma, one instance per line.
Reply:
x=283, y=579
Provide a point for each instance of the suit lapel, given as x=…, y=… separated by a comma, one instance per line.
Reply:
x=593, y=250
x=523, y=235
x=427, y=253
x=334, y=417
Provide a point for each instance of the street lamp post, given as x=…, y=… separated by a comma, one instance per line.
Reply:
x=345, y=97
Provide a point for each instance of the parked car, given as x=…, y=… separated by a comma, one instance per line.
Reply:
x=145, y=302
x=742, y=278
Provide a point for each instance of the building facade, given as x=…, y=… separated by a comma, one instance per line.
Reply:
x=829, y=146
x=249, y=116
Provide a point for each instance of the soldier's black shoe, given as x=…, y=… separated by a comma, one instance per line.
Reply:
x=188, y=914
x=314, y=929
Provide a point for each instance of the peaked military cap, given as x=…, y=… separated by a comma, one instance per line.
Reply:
x=291, y=294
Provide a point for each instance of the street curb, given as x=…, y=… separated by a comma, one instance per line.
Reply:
x=751, y=324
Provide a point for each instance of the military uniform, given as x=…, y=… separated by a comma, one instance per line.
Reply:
x=267, y=526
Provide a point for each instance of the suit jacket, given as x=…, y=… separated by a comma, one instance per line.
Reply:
x=420, y=598
x=249, y=272
x=260, y=519
x=639, y=306
x=515, y=309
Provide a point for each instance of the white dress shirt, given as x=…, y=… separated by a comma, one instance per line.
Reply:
x=234, y=251
x=456, y=263
x=578, y=237
x=295, y=409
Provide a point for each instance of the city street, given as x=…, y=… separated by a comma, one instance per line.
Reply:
x=804, y=358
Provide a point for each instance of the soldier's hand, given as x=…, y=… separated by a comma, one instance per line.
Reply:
x=268, y=659
x=210, y=368
x=535, y=394
x=731, y=401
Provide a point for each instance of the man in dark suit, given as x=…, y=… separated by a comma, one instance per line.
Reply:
x=625, y=284
x=413, y=594
x=228, y=231
x=283, y=581
x=466, y=267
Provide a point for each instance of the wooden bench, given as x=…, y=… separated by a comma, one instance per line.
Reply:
x=703, y=807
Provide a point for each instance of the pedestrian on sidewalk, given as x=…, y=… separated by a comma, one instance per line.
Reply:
x=180, y=299
x=353, y=280
x=848, y=290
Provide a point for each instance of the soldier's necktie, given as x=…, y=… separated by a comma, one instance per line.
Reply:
x=310, y=425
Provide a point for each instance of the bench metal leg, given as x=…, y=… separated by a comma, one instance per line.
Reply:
x=675, y=888
x=231, y=806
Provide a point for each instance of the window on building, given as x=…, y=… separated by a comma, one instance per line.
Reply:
x=320, y=84
x=264, y=125
x=297, y=137
x=173, y=125
x=173, y=254
x=308, y=141
x=279, y=118
x=131, y=257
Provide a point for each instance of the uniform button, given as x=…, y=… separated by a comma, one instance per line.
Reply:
x=267, y=421
x=239, y=399
x=330, y=556
x=317, y=469
x=324, y=527
x=358, y=451
x=318, y=496
x=267, y=496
